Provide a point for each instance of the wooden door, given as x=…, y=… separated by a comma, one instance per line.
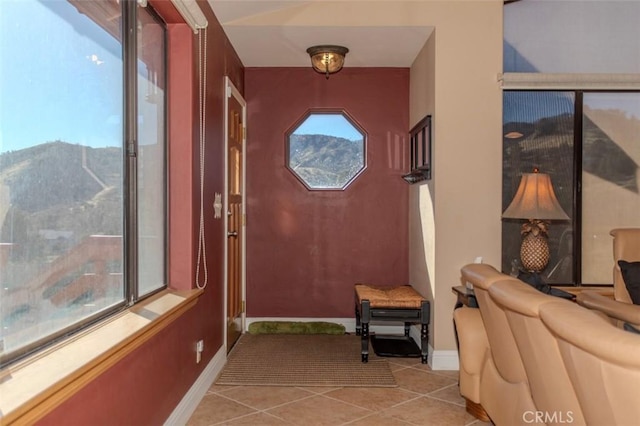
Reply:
x=235, y=220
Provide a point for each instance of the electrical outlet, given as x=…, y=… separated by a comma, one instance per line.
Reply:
x=199, y=349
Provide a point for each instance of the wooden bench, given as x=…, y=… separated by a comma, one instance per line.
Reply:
x=399, y=304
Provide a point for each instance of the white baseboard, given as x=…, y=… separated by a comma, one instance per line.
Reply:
x=438, y=360
x=444, y=360
x=189, y=403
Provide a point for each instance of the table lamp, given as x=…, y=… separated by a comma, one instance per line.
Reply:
x=536, y=201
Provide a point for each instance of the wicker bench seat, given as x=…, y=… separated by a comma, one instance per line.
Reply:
x=399, y=303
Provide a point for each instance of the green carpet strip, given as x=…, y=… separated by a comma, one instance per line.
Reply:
x=292, y=327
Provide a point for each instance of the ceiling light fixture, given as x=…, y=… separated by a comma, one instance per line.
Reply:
x=513, y=135
x=327, y=59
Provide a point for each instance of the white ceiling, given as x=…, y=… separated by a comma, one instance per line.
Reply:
x=279, y=44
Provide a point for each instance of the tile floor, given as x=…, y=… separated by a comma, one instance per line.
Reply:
x=423, y=397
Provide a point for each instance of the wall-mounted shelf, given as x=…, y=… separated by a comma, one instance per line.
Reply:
x=420, y=151
x=417, y=175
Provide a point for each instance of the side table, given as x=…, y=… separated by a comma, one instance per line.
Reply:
x=465, y=297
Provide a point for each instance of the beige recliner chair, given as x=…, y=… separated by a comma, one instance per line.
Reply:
x=503, y=387
x=602, y=362
x=473, y=348
x=551, y=388
x=626, y=246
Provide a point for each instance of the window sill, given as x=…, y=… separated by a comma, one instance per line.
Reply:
x=32, y=388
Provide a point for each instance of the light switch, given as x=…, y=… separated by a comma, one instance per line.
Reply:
x=217, y=206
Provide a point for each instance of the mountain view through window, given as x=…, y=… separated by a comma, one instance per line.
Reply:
x=63, y=166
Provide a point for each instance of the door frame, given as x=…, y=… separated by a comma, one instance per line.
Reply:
x=231, y=90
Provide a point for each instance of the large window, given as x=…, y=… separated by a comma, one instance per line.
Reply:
x=589, y=143
x=609, y=179
x=82, y=165
x=576, y=124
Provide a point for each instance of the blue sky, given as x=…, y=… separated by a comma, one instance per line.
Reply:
x=59, y=81
x=328, y=124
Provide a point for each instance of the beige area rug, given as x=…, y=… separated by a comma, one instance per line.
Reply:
x=303, y=360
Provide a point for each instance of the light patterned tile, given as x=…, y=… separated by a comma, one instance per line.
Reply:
x=423, y=397
x=475, y=422
x=422, y=367
x=258, y=419
x=318, y=389
x=449, y=394
x=318, y=410
x=221, y=388
x=219, y=408
x=406, y=361
x=422, y=382
x=378, y=419
x=374, y=399
x=397, y=367
x=454, y=374
x=215, y=409
x=264, y=397
x=427, y=411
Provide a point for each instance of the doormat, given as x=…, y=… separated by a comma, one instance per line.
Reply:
x=303, y=360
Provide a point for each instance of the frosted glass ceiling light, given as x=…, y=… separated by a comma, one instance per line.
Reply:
x=327, y=59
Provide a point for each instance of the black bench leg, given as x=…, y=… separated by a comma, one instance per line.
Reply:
x=365, y=342
x=407, y=328
x=358, y=324
x=365, y=311
x=425, y=315
x=424, y=337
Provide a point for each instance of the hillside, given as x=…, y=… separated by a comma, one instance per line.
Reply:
x=609, y=137
x=61, y=192
x=52, y=174
x=325, y=161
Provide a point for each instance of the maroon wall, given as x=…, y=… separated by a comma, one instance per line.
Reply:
x=144, y=387
x=147, y=385
x=306, y=249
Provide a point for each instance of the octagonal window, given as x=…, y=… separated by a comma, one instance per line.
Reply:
x=326, y=150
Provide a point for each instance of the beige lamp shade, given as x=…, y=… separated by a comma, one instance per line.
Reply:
x=535, y=199
x=327, y=59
